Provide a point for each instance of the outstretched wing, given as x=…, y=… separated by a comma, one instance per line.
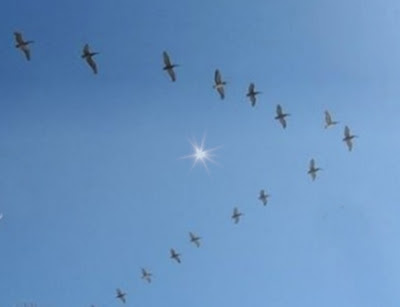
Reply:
x=349, y=144
x=217, y=77
x=86, y=50
x=171, y=73
x=167, y=61
x=282, y=120
x=312, y=164
x=221, y=92
x=18, y=38
x=346, y=132
x=251, y=88
x=279, y=110
x=26, y=51
x=92, y=64
x=328, y=118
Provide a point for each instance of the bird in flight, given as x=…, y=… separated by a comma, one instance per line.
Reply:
x=263, y=197
x=194, y=239
x=348, y=138
x=169, y=67
x=328, y=120
x=281, y=116
x=121, y=295
x=23, y=45
x=312, y=170
x=219, y=84
x=146, y=275
x=88, y=56
x=252, y=94
x=175, y=255
x=236, y=215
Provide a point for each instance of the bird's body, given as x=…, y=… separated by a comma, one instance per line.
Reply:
x=121, y=295
x=146, y=275
x=219, y=84
x=263, y=197
x=281, y=116
x=348, y=137
x=328, y=120
x=252, y=93
x=312, y=170
x=88, y=56
x=169, y=67
x=23, y=45
x=194, y=239
x=175, y=255
x=236, y=215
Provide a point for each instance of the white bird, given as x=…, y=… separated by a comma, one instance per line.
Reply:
x=175, y=255
x=348, y=138
x=281, y=116
x=168, y=66
x=146, y=275
x=252, y=94
x=313, y=170
x=263, y=197
x=121, y=295
x=88, y=56
x=219, y=84
x=236, y=215
x=328, y=120
x=23, y=45
x=194, y=239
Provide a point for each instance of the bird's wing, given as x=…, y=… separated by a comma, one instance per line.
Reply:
x=251, y=88
x=217, y=77
x=346, y=131
x=279, y=110
x=26, y=51
x=349, y=144
x=328, y=118
x=92, y=64
x=18, y=37
x=283, y=122
x=171, y=73
x=253, y=100
x=86, y=49
x=192, y=236
x=235, y=211
x=312, y=164
x=221, y=92
x=167, y=61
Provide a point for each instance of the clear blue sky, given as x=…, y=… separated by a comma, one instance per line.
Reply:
x=92, y=187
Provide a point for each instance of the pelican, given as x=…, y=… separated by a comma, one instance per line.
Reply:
x=88, y=56
x=219, y=84
x=121, y=295
x=23, y=45
x=263, y=197
x=194, y=239
x=169, y=67
x=281, y=116
x=348, y=138
x=175, y=255
x=146, y=275
x=328, y=120
x=313, y=170
x=236, y=215
x=252, y=94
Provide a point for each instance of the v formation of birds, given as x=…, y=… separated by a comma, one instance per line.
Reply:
x=219, y=86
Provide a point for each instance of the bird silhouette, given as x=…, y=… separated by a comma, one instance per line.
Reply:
x=23, y=45
x=88, y=56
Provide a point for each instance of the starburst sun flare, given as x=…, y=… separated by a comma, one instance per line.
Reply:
x=201, y=154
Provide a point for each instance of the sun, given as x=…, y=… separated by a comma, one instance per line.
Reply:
x=201, y=154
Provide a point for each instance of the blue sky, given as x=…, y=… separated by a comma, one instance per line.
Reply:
x=92, y=187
